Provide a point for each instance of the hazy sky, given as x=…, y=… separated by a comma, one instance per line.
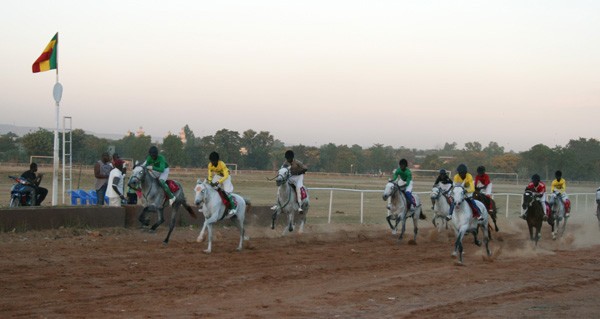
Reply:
x=401, y=73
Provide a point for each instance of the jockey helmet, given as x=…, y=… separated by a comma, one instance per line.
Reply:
x=558, y=174
x=442, y=172
x=403, y=162
x=289, y=155
x=153, y=151
x=480, y=169
x=535, y=178
x=462, y=169
x=213, y=157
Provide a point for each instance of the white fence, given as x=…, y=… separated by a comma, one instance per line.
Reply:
x=513, y=202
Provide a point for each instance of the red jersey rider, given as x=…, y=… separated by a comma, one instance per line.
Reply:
x=484, y=186
x=539, y=190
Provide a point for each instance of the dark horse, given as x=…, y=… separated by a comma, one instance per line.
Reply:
x=488, y=202
x=535, y=215
x=156, y=200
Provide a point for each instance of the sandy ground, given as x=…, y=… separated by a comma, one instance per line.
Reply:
x=341, y=271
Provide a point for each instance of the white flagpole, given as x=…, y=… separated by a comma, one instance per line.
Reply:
x=57, y=92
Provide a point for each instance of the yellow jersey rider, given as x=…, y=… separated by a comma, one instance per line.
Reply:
x=218, y=177
x=466, y=180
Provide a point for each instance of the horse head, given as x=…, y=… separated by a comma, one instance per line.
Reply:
x=436, y=191
x=200, y=189
x=282, y=175
x=137, y=176
x=528, y=199
x=389, y=190
x=458, y=194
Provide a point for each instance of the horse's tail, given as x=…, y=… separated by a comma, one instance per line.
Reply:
x=189, y=209
x=248, y=204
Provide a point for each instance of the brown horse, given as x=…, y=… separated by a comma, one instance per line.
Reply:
x=489, y=203
x=535, y=215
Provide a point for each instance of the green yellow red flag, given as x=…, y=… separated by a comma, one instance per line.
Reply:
x=48, y=59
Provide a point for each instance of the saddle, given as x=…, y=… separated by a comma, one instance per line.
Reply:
x=302, y=191
x=224, y=199
x=172, y=186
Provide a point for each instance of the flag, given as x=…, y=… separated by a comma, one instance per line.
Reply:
x=48, y=59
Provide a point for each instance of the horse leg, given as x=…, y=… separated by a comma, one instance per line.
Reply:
x=555, y=225
x=388, y=218
x=291, y=221
x=274, y=217
x=160, y=220
x=403, y=227
x=242, y=232
x=142, y=217
x=172, y=223
x=302, y=221
x=486, y=240
x=209, y=249
x=201, y=235
x=458, y=247
x=416, y=227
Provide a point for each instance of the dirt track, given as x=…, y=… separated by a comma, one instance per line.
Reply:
x=348, y=271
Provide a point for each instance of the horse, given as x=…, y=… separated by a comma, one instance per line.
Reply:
x=557, y=220
x=156, y=200
x=535, y=215
x=287, y=201
x=487, y=202
x=441, y=206
x=399, y=209
x=464, y=222
x=215, y=210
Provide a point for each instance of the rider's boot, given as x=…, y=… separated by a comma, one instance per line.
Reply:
x=449, y=216
x=233, y=209
x=299, y=196
x=164, y=186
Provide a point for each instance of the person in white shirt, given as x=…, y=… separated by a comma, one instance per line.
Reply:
x=114, y=190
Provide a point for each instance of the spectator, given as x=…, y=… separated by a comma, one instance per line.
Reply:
x=115, y=184
x=37, y=193
x=101, y=171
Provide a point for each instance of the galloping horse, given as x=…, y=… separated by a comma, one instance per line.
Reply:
x=287, y=201
x=557, y=220
x=487, y=202
x=441, y=206
x=399, y=209
x=464, y=222
x=156, y=199
x=535, y=214
x=215, y=210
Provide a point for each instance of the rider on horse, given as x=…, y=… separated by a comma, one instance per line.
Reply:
x=403, y=177
x=466, y=180
x=297, y=170
x=538, y=189
x=158, y=163
x=442, y=181
x=484, y=185
x=561, y=186
x=221, y=177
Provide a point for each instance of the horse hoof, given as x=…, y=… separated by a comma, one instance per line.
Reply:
x=394, y=232
x=206, y=251
x=165, y=243
x=458, y=263
x=478, y=243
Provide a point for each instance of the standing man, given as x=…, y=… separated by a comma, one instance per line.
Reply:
x=101, y=172
x=115, y=184
x=37, y=193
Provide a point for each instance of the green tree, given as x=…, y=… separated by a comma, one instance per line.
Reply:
x=9, y=148
x=227, y=144
x=40, y=142
x=172, y=148
x=258, y=148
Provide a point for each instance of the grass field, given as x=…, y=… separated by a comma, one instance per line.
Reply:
x=254, y=185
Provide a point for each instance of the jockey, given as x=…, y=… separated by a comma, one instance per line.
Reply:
x=484, y=185
x=403, y=177
x=442, y=181
x=158, y=163
x=221, y=177
x=539, y=190
x=466, y=180
x=560, y=185
x=297, y=170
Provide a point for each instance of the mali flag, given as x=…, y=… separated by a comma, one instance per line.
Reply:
x=48, y=59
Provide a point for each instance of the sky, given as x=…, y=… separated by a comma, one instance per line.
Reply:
x=413, y=74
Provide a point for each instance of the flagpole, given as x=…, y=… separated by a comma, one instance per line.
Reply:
x=57, y=92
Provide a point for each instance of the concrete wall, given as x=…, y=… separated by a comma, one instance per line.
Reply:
x=37, y=218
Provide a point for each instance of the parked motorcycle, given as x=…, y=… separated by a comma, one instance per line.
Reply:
x=19, y=196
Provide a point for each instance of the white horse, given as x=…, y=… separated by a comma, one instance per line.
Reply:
x=441, y=206
x=465, y=222
x=558, y=210
x=287, y=201
x=399, y=209
x=214, y=210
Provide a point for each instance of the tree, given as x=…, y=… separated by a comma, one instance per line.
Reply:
x=40, y=142
x=136, y=147
x=172, y=147
x=473, y=147
x=493, y=149
x=432, y=161
x=537, y=160
x=258, y=148
x=9, y=147
x=227, y=144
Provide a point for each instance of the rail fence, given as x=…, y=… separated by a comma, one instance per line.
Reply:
x=509, y=201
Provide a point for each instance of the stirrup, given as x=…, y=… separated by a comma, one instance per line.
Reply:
x=171, y=201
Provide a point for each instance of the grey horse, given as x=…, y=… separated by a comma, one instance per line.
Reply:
x=464, y=222
x=558, y=220
x=214, y=210
x=287, y=203
x=441, y=200
x=156, y=199
x=398, y=209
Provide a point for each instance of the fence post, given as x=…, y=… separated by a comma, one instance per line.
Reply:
x=507, y=197
x=330, y=205
x=362, y=196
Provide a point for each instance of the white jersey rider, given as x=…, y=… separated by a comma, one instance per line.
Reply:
x=297, y=170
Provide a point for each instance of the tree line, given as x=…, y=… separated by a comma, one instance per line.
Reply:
x=579, y=159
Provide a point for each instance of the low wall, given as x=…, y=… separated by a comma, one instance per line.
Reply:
x=38, y=218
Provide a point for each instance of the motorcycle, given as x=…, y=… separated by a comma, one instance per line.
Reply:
x=19, y=196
